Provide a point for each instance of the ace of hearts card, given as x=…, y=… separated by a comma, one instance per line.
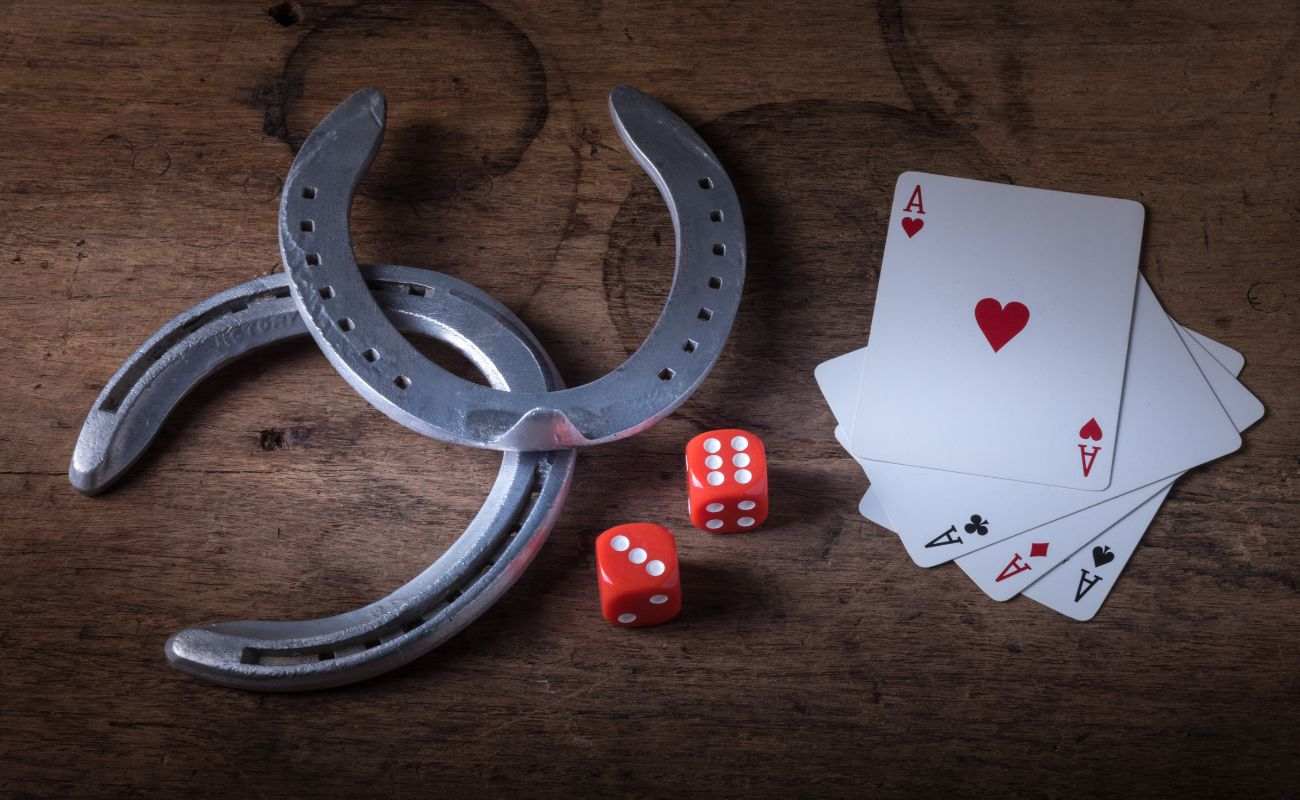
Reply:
x=1000, y=332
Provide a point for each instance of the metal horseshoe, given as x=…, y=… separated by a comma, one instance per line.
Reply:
x=465, y=581
x=370, y=353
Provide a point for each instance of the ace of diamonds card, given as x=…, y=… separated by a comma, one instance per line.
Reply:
x=1000, y=332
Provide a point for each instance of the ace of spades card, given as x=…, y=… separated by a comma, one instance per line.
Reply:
x=1000, y=332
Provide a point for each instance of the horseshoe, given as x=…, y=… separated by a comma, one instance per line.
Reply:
x=366, y=349
x=465, y=581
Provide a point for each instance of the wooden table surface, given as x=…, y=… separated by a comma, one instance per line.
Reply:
x=142, y=147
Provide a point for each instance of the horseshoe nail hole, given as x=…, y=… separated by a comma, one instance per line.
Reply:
x=690, y=345
x=666, y=374
x=719, y=249
x=715, y=282
x=418, y=291
x=346, y=325
x=371, y=355
x=313, y=259
x=307, y=225
x=402, y=382
x=705, y=314
x=326, y=657
x=327, y=292
x=716, y=215
x=309, y=193
x=281, y=293
x=706, y=183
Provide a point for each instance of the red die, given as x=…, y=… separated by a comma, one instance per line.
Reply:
x=726, y=480
x=636, y=566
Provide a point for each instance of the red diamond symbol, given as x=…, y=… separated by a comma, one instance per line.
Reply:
x=1037, y=549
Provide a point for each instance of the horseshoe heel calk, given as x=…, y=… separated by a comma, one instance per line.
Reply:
x=203, y=653
x=88, y=473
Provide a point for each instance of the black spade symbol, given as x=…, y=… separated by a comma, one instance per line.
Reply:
x=1102, y=555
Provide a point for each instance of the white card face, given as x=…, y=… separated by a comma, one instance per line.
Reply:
x=1031, y=559
x=1171, y=422
x=1000, y=332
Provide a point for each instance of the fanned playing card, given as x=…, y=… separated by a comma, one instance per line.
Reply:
x=1000, y=332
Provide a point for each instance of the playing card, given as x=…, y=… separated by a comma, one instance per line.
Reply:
x=1171, y=421
x=1023, y=562
x=1000, y=332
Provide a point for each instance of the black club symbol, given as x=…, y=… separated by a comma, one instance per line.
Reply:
x=977, y=525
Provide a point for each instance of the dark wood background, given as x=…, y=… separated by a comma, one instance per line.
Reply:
x=142, y=146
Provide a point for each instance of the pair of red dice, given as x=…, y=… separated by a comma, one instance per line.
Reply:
x=637, y=570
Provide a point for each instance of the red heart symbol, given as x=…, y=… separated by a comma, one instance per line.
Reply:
x=911, y=225
x=1090, y=430
x=1000, y=324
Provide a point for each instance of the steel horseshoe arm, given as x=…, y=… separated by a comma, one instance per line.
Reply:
x=371, y=354
x=135, y=402
x=468, y=578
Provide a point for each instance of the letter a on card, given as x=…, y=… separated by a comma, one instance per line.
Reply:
x=915, y=205
x=1015, y=566
x=946, y=538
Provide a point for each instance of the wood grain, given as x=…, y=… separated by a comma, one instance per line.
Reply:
x=142, y=146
